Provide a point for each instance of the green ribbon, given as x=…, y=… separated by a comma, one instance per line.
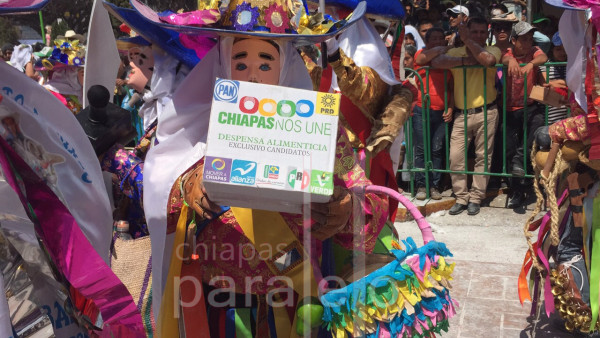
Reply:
x=243, y=323
x=594, y=271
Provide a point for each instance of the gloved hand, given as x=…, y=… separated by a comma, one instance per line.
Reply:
x=195, y=195
x=333, y=216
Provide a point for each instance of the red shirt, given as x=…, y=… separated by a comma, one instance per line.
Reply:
x=515, y=85
x=436, y=85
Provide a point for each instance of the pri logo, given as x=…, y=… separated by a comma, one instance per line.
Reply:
x=298, y=180
x=271, y=171
x=243, y=172
x=226, y=90
x=217, y=169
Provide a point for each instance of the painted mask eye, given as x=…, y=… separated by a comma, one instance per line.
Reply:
x=265, y=67
x=240, y=67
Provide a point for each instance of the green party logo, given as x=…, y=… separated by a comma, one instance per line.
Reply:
x=321, y=182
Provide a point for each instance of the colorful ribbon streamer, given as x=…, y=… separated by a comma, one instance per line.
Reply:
x=70, y=250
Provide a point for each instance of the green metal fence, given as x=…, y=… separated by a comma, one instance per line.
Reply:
x=428, y=167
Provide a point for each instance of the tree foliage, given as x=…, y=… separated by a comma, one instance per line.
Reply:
x=8, y=32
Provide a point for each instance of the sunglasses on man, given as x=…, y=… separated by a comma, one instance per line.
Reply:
x=500, y=28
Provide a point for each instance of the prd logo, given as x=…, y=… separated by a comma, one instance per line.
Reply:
x=298, y=180
x=226, y=90
x=321, y=182
x=243, y=172
x=271, y=171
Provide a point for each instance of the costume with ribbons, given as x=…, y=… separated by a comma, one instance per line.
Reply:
x=567, y=251
x=234, y=229
x=378, y=115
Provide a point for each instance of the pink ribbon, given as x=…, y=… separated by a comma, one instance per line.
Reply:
x=70, y=250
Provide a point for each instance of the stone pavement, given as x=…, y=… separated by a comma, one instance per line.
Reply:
x=488, y=251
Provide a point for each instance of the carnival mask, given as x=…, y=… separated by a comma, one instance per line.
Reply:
x=255, y=60
x=141, y=61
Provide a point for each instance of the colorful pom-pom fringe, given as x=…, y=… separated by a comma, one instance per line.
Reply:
x=408, y=297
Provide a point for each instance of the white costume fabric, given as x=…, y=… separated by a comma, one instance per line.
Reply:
x=164, y=82
x=362, y=43
x=65, y=82
x=182, y=132
x=21, y=56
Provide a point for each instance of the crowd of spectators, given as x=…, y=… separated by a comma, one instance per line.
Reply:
x=509, y=53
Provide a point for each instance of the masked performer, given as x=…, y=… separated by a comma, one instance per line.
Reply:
x=568, y=163
x=181, y=136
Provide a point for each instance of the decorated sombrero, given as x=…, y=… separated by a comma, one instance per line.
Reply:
x=272, y=19
x=22, y=6
x=167, y=40
x=64, y=54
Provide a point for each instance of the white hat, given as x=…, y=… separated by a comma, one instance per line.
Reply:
x=458, y=10
x=71, y=35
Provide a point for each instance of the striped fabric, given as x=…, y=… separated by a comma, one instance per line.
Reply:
x=556, y=73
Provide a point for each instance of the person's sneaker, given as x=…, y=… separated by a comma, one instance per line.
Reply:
x=435, y=194
x=457, y=208
x=472, y=209
x=517, y=199
x=421, y=194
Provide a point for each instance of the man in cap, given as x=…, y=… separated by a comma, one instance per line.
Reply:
x=523, y=52
x=457, y=15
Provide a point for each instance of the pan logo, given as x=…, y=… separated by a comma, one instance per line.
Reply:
x=243, y=172
x=226, y=90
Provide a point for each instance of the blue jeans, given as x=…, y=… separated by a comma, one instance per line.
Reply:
x=437, y=130
x=571, y=243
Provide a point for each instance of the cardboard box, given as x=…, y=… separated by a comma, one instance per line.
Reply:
x=270, y=147
x=546, y=95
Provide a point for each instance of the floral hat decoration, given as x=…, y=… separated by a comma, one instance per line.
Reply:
x=65, y=54
x=273, y=19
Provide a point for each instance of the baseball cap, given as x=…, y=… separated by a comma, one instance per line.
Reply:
x=556, y=39
x=522, y=28
x=458, y=9
x=44, y=53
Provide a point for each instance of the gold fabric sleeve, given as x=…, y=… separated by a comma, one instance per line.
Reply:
x=387, y=126
x=364, y=87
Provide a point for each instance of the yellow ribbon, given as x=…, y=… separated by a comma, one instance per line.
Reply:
x=270, y=229
x=168, y=325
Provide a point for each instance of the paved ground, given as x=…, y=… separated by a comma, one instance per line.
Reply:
x=488, y=250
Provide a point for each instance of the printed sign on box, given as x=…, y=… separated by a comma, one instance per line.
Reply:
x=270, y=147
